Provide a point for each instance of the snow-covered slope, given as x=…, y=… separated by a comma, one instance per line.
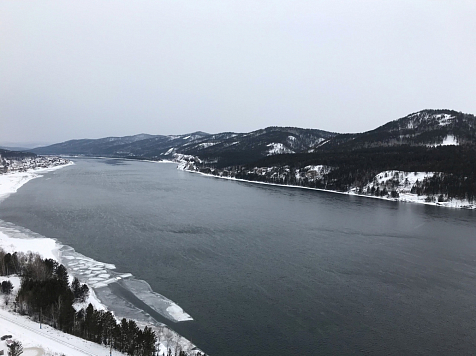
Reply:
x=278, y=148
x=429, y=128
x=46, y=340
x=403, y=186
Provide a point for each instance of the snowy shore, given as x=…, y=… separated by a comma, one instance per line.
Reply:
x=12, y=181
x=405, y=194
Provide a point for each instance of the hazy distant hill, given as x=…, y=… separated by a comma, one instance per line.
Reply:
x=8, y=154
x=223, y=148
x=105, y=146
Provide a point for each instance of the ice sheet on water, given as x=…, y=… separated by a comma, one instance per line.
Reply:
x=123, y=308
x=97, y=275
x=87, y=270
x=159, y=303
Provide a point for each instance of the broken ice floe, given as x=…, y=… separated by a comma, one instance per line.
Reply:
x=99, y=275
x=94, y=273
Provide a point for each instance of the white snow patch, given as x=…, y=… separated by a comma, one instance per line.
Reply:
x=449, y=140
x=46, y=248
x=410, y=177
x=319, y=142
x=14, y=279
x=277, y=148
x=207, y=144
x=177, y=313
x=444, y=119
x=316, y=172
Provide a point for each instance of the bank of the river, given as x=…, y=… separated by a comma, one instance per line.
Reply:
x=404, y=196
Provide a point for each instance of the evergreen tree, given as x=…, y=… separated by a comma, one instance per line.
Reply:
x=7, y=287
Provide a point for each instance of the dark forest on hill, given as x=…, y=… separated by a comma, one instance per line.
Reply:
x=356, y=168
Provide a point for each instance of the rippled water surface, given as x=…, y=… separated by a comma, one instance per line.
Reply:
x=266, y=270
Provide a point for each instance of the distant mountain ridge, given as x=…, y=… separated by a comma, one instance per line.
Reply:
x=226, y=147
x=426, y=128
x=9, y=154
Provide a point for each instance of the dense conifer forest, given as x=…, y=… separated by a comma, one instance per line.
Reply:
x=356, y=168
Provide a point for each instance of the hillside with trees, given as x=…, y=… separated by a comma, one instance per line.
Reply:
x=46, y=296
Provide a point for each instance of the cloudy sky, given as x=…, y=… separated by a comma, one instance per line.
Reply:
x=89, y=69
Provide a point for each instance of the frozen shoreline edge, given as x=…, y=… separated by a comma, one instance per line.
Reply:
x=398, y=200
x=407, y=198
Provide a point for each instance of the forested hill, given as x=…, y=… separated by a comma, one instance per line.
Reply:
x=426, y=128
x=226, y=148
x=7, y=154
x=439, y=141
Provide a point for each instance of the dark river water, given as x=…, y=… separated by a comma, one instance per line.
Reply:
x=267, y=270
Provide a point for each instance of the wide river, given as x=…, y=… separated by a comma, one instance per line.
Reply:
x=267, y=270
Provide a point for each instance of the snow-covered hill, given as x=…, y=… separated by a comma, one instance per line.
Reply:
x=222, y=148
x=424, y=128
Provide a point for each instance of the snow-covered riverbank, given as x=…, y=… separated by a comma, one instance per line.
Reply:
x=11, y=181
x=404, y=188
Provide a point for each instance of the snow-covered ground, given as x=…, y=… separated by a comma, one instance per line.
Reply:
x=406, y=181
x=11, y=182
x=44, y=341
x=277, y=148
x=46, y=248
x=47, y=340
x=449, y=140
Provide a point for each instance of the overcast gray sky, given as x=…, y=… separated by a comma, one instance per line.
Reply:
x=89, y=69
